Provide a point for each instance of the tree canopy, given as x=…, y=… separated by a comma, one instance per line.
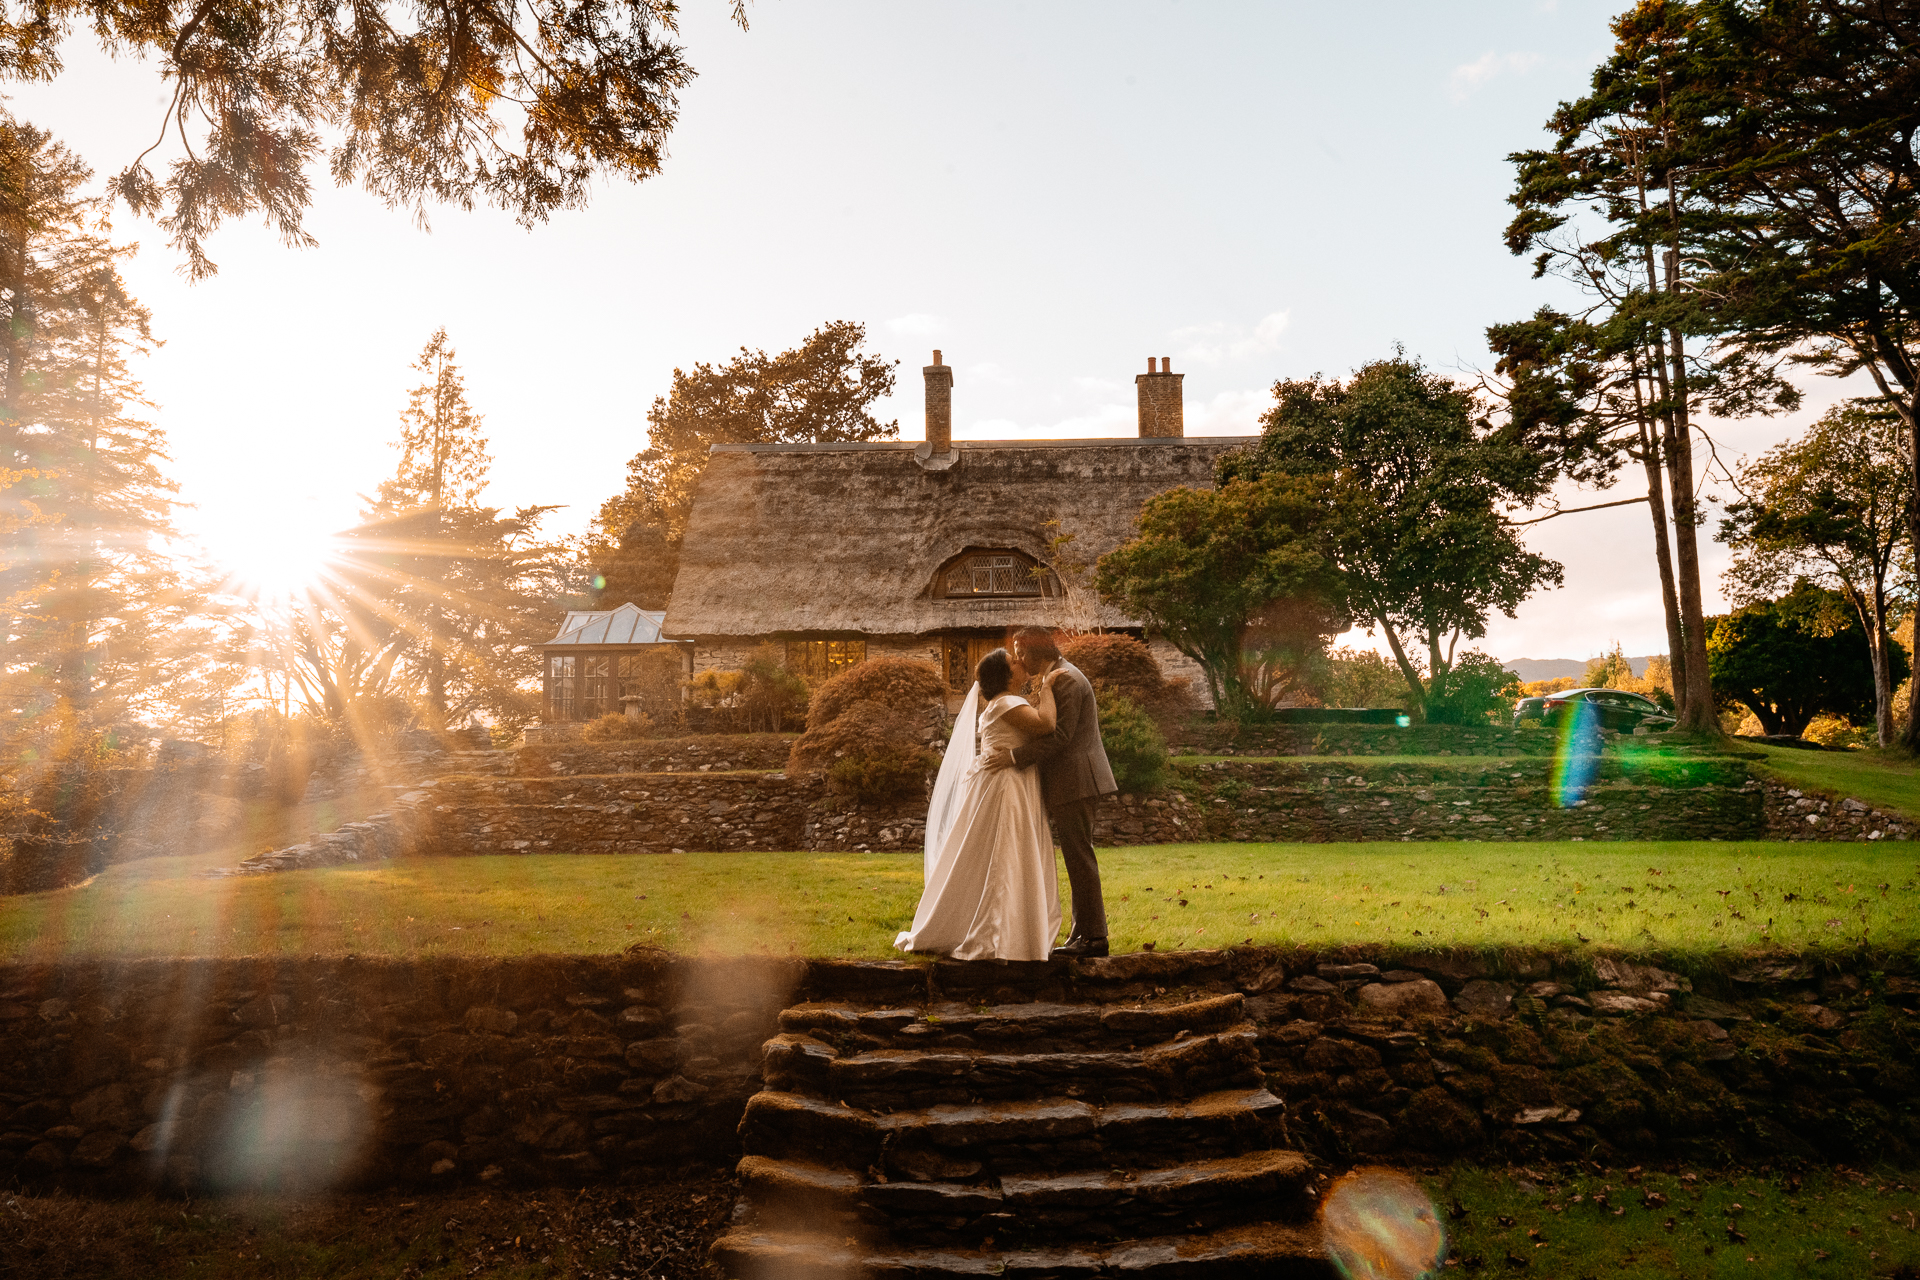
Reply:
x=520, y=104
x=820, y=392
x=1416, y=477
x=1788, y=660
x=1208, y=566
x=1830, y=507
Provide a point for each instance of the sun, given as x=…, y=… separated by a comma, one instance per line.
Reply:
x=275, y=558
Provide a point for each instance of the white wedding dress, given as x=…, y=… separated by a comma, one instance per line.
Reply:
x=991, y=889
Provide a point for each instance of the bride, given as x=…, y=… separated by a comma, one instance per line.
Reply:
x=991, y=889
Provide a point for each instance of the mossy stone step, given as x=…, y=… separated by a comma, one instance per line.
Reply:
x=1254, y=1251
x=791, y=1124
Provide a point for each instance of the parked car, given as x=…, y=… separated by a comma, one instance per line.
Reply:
x=1612, y=709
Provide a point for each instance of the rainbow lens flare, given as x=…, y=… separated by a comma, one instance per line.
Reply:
x=1576, y=755
x=1379, y=1225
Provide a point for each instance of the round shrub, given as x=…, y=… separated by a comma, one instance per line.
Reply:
x=617, y=728
x=900, y=683
x=1122, y=666
x=1135, y=748
x=891, y=771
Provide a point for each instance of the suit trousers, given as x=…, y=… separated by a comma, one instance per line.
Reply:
x=1073, y=826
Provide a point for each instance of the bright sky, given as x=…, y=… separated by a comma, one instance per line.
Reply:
x=1049, y=192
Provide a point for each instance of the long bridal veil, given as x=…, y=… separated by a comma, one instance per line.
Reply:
x=945, y=806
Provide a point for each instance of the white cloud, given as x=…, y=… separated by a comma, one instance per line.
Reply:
x=1100, y=422
x=1219, y=342
x=1228, y=413
x=1469, y=76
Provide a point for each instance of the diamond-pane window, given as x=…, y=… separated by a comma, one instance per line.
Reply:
x=993, y=573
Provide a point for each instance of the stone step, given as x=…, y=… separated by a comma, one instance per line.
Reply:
x=892, y=1079
x=966, y=1203
x=1254, y=1251
x=1036, y=1026
x=1021, y=1134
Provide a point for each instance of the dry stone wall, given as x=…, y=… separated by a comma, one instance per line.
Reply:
x=243, y=1074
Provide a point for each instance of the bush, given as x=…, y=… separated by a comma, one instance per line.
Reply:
x=891, y=771
x=1838, y=732
x=1134, y=746
x=1479, y=690
x=617, y=728
x=768, y=695
x=868, y=729
x=1350, y=677
x=900, y=683
x=1121, y=666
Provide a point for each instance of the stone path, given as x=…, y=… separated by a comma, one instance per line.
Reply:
x=1022, y=1139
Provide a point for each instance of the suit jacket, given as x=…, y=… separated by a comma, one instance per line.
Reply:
x=1073, y=763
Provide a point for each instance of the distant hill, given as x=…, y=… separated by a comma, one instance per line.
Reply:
x=1531, y=669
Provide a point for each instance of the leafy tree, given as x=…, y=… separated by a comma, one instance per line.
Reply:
x=1414, y=533
x=820, y=392
x=1789, y=659
x=519, y=105
x=443, y=455
x=1349, y=677
x=1643, y=359
x=1206, y=563
x=1831, y=507
x=1479, y=689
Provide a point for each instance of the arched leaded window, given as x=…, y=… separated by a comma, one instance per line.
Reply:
x=1004, y=574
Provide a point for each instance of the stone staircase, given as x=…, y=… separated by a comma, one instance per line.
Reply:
x=991, y=1133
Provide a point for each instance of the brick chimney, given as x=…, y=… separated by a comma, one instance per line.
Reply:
x=1162, y=413
x=939, y=406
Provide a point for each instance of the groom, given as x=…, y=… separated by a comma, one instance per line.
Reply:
x=1074, y=774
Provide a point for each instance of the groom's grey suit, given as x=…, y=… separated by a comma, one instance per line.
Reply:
x=1074, y=774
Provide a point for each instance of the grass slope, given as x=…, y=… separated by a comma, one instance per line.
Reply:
x=1882, y=780
x=1669, y=897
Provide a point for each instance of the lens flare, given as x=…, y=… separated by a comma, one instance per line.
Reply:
x=1576, y=755
x=1379, y=1225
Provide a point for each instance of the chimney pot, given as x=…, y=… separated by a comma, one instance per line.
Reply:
x=936, y=355
x=1149, y=364
x=1166, y=364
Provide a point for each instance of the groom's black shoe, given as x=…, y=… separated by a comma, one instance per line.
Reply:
x=1081, y=948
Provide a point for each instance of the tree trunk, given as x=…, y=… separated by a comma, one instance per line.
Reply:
x=1910, y=738
x=1650, y=455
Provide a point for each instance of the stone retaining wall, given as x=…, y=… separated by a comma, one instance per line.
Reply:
x=1211, y=738
x=205, y=1075
x=681, y=795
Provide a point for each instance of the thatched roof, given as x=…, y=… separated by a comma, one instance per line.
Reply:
x=832, y=539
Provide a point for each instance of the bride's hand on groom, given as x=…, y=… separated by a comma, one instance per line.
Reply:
x=999, y=758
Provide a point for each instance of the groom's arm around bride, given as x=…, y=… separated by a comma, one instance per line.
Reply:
x=1074, y=774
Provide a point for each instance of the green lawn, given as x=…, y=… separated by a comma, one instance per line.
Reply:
x=1883, y=780
x=1669, y=1224
x=1669, y=897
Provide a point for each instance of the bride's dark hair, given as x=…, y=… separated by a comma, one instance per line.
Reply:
x=995, y=674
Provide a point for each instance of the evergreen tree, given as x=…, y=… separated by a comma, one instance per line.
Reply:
x=443, y=455
x=520, y=105
x=99, y=627
x=95, y=601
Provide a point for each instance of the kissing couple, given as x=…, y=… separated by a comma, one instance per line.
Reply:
x=991, y=890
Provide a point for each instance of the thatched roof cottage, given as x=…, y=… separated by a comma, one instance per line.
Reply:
x=934, y=550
